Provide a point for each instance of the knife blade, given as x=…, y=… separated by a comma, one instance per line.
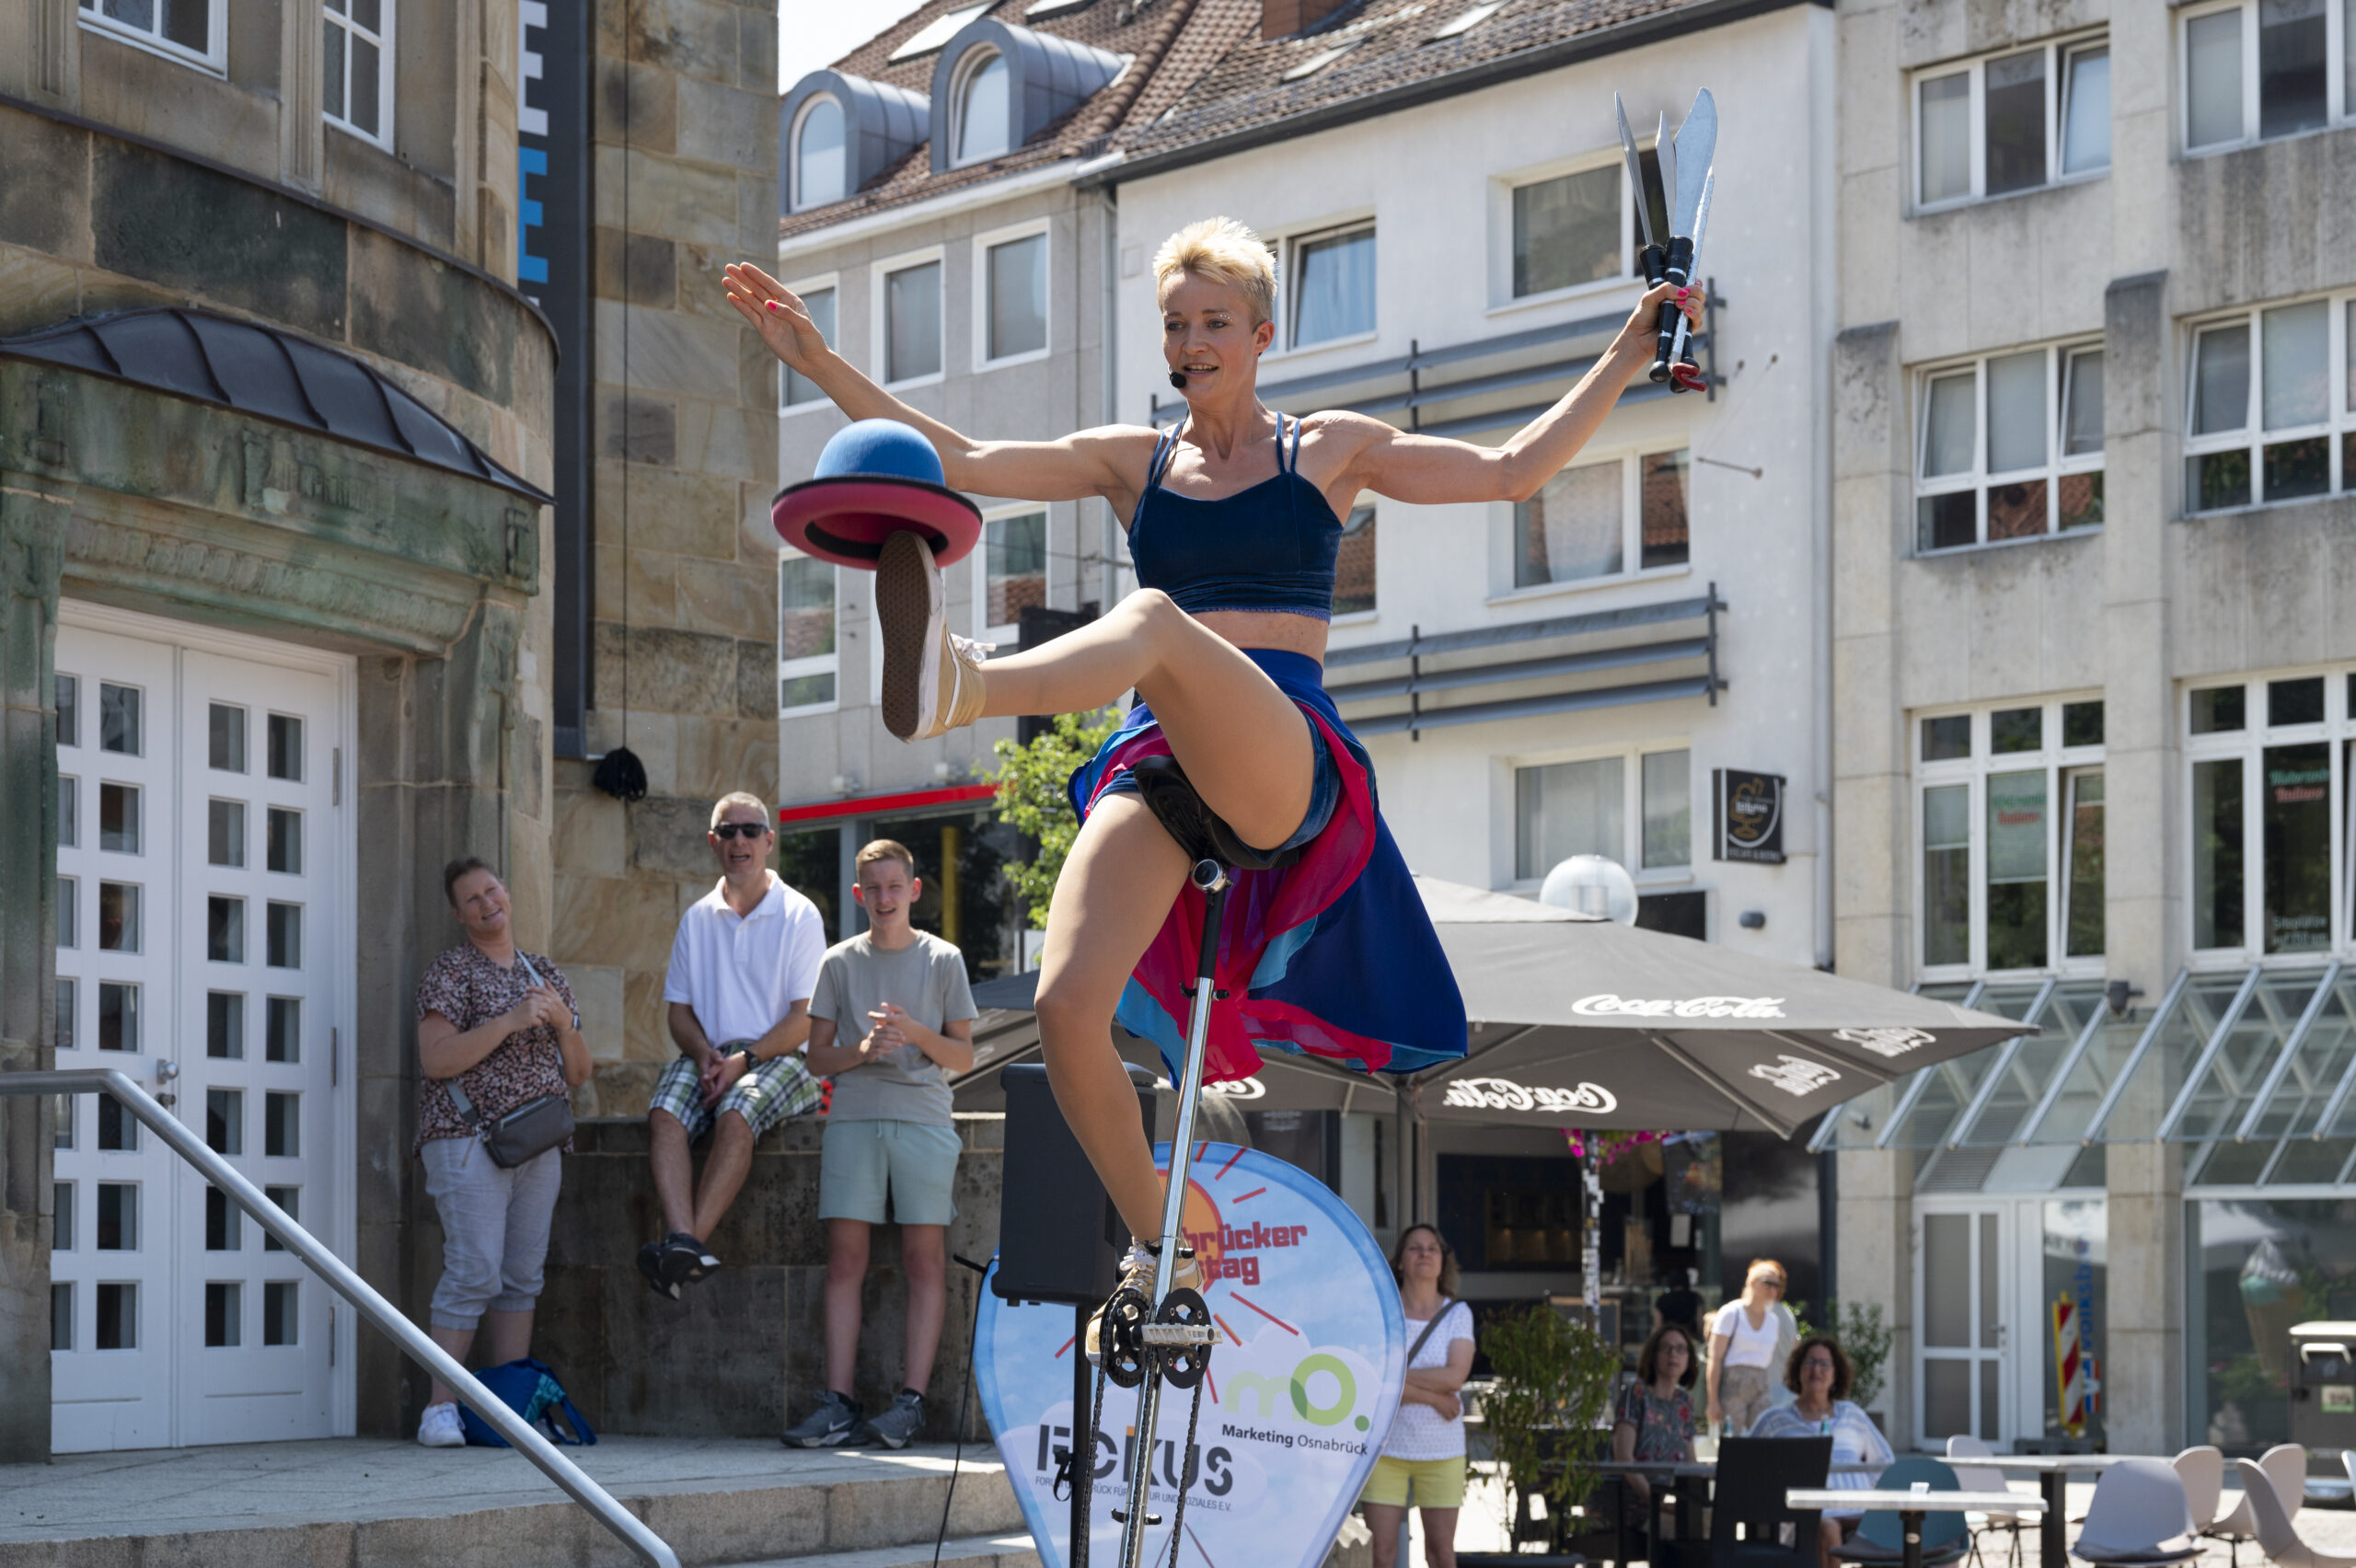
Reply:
x=1697, y=145
x=1665, y=150
x=1635, y=169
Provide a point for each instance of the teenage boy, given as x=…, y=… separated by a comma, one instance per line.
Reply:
x=892, y=1018
x=742, y=966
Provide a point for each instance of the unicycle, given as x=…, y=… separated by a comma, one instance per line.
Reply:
x=1167, y=1341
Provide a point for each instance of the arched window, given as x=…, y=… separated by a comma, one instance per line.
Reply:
x=981, y=106
x=819, y=161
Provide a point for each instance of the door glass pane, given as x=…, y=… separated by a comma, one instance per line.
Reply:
x=286, y=936
x=118, y=1325
x=69, y=824
x=2212, y=78
x=283, y=1040
x=286, y=747
x=119, y=729
x=1566, y=231
x=2217, y=853
x=2016, y=413
x=1946, y=1281
x=223, y=1305
x=286, y=841
x=1018, y=293
x=2085, y=935
x=2017, y=869
x=224, y=1121
x=2015, y=122
x=1570, y=808
x=119, y=818
x=2295, y=351
x=224, y=1025
x=2077, y=1291
x=1668, y=809
x=2082, y=416
x=2296, y=812
x=912, y=322
x=118, y=1128
x=1990, y=1379
x=1949, y=433
x=279, y=1297
x=118, y=1017
x=2086, y=110
x=2221, y=379
x=281, y=1134
x=290, y=1199
x=1572, y=528
x=1946, y=137
x=119, y=916
x=227, y=739
x=1333, y=296
x=61, y=1208
x=1947, y=1398
x=800, y=388
x=69, y=912
x=2291, y=67
x=117, y=1217
x=224, y=832
x=225, y=929
x=69, y=709
x=1946, y=874
x=1991, y=1267
x=818, y=165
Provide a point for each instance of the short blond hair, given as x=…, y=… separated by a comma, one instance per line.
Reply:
x=1227, y=251
x=720, y=808
x=883, y=849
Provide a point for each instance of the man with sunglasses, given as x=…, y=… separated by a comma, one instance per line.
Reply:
x=743, y=968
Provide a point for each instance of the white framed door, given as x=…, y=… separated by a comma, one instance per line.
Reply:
x=1987, y=1272
x=234, y=998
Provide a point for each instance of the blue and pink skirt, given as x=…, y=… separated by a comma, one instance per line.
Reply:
x=1329, y=956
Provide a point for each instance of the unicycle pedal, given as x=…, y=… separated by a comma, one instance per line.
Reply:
x=1121, y=1516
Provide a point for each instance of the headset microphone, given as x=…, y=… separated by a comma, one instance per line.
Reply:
x=1178, y=379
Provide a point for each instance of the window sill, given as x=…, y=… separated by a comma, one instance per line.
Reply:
x=1306, y=351
x=1965, y=204
x=2343, y=494
x=787, y=411
x=915, y=382
x=2093, y=531
x=147, y=44
x=815, y=710
x=1577, y=293
x=1513, y=596
x=383, y=145
x=983, y=367
x=2218, y=149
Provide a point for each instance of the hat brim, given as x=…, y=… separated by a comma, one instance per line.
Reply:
x=846, y=520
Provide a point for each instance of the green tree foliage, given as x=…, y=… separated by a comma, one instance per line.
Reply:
x=1031, y=799
x=1545, y=1414
x=1863, y=1334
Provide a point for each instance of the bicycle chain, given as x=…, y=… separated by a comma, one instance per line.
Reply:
x=1185, y=1474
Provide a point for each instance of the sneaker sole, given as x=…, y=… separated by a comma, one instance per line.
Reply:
x=651, y=1270
x=831, y=1439
x=905, y=585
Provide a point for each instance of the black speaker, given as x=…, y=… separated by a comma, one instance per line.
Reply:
x=1058, y=1235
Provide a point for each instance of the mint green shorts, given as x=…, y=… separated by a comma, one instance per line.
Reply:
x=916, y=1162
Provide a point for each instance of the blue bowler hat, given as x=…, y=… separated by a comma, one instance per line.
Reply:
x=876, y=478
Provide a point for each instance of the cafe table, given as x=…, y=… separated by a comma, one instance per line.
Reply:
x=1909, y=1507
x=1691, y=1499
x=2053, y=1472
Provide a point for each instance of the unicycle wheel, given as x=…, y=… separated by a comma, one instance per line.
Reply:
x=1182, y=1366
x=1119, y=1343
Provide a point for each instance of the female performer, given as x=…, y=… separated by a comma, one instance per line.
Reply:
x=1234, y=523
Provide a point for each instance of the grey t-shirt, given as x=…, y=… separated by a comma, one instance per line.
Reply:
x=928, y=979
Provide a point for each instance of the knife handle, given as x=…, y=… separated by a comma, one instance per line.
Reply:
x=1678, y=261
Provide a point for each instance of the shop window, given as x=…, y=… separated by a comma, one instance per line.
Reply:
x=2012, y=121
x=1013, y=562
x=819, y=169
x=2009, y=447
x=1636, y=808
x=2258, y=1267
x=192, y=31
x=1603, y=520
x=800, y=390
x=911, y=307
x=1014, y=302
x=2263, y=421
x=811, y=861
x=1353, y=564
x=2263, y=68
x=2011, y=830
x=358, y=66
x=805, y=634
x=1332, y=286
x=2268, y=760
x=966, y=899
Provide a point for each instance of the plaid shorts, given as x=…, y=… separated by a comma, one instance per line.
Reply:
x=767, y=1094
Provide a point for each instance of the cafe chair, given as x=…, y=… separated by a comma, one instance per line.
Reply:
x=2202, y=1471
x=1751, y=1525
x=1961, y=1448
x=2277, y=1536
x=2138, y=1519
x=1881, y=1534
x=2285, y=1465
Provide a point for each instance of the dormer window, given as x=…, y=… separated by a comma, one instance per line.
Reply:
x=818, y=161
x=981, y=106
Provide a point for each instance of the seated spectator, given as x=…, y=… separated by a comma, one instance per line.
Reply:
x=892, y=1018
x=743, y=964
x=500, y=1025
x=1819, y=1373
x=1655, y=1420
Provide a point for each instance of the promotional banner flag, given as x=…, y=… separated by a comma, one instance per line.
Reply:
x=1302, y=1385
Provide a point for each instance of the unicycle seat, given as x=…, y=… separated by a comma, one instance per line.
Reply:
x=1202, y=833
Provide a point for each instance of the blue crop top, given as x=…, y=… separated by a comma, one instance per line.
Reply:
x=1268, y=547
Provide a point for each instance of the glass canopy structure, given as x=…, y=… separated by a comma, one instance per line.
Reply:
x=2256, y=1067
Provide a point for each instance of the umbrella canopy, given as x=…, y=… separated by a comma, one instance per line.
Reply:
x=1582, y=1023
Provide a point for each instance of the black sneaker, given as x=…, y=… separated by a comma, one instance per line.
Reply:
x=827, y=1426
x=687, y=1258
x=659, y=1278
x=898, y=1421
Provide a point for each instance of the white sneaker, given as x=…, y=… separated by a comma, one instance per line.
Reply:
x=440, y=1428
x=933, y=677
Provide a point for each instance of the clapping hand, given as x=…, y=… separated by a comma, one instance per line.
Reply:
x=540, y=1005
x=889, y=1032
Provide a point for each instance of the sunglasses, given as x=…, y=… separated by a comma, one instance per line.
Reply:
x=728, y=830
x=1769, y=1284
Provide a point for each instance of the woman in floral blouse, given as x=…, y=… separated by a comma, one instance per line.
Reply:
x=502, y=1024
x=1655, y=1422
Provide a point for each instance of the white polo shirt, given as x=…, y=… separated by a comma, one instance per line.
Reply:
x=743, y=974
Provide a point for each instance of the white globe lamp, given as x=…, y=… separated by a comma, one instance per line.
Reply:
x=1593, y=885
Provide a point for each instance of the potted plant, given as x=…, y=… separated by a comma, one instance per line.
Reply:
x=1543, y=1418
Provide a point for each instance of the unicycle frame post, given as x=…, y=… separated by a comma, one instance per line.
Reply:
x=1212, y=880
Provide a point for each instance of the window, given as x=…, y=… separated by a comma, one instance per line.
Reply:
x=286, y=936
x=2012, y=121
x=2268, y=762
x=118, y=1019
x=278, y=1319
x=1332, y=286
x=286, y=747
x=117, y=1326
x=2263, y=69
x=225, y=929
x=2263, y=419
x=119, y=916
x=935, y=33
x=224, y=832
x=910, y=300
x=195, y=31
x=224, y=1025
x=225, y=738
x=119, y=719
x=283, y=1038
x=119, y=818
x=1593, y=521
x=820, y=166
x=118, y=1128
x=282, y=1125
x=289, y=1199
x=982, y=115
x=2009, y=447
x=69, y=812
x=285, y=852
x=1013, y=561
x=224, y=1306
x=61, y=1208
x=2011, y=833
x=805, y=633
x=1353, y=564
x=358, y=60
x=1014, y=299
x=1635, y=807
x=117, y=1217
x=1581, y=227
x=800, y=390
x=224, y=1121
x=69, y=710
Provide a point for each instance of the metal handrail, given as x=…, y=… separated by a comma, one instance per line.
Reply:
x=339, y=1277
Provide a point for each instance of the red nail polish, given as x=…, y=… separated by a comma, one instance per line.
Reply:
x=770, y=303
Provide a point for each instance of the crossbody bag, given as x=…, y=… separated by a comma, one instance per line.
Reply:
x=525, y=1133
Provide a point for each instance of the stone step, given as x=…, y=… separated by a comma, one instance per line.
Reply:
x=974, y=1552
x=363, y=1503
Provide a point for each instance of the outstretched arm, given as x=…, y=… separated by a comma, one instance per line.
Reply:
x=1109, y=461
x=1435, y=471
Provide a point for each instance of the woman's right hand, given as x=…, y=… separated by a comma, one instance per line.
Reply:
x=777, y=314
x=1717, y=1416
